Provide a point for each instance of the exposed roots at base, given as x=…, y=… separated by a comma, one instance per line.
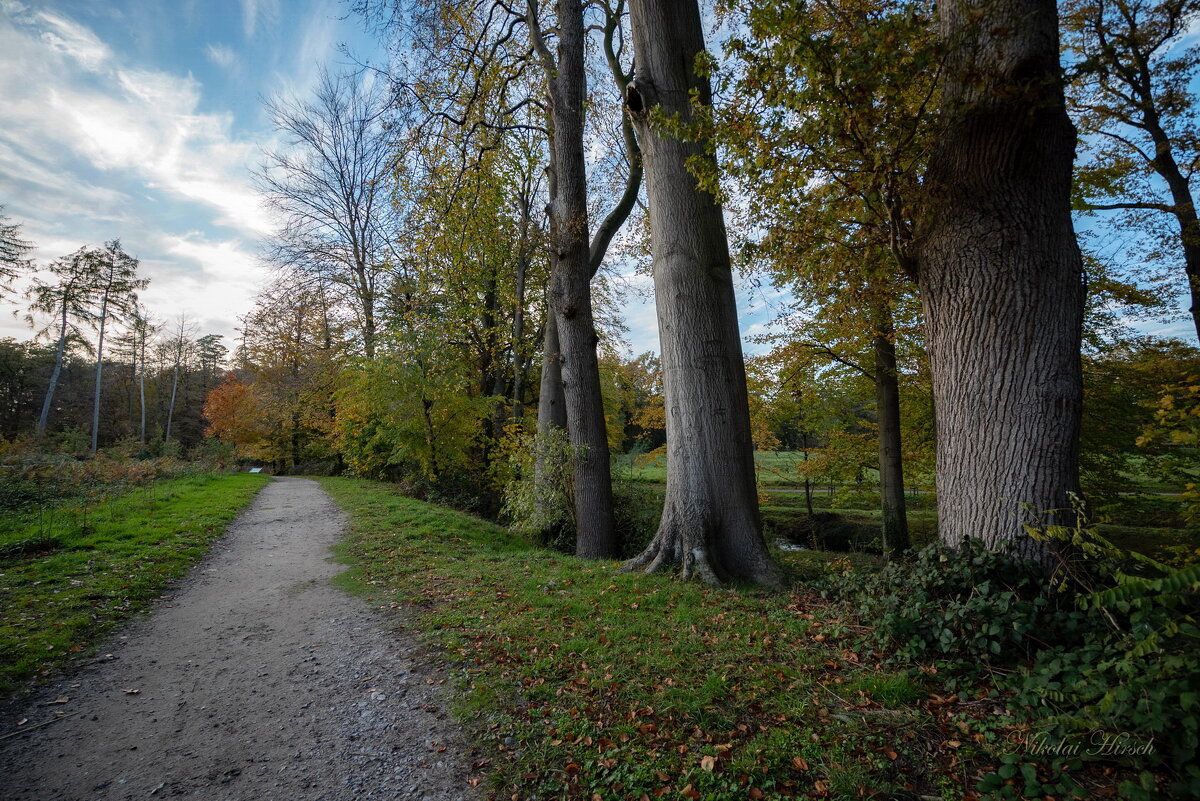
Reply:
x=666, y=552
x=687, y=549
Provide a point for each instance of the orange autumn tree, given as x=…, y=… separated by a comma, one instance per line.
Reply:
x=235, y=417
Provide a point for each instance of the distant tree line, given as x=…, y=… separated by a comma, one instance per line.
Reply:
x=99, y=370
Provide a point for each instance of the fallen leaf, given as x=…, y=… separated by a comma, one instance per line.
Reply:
x=800, y=762
x=130, y=691
x=708, y=763
x=62, y=699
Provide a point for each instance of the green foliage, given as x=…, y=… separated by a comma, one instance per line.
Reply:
x=971, y=607
x=636, y=512
x=538, y=488
x=1104, y=652
x=1132, y=666
x=400, y=419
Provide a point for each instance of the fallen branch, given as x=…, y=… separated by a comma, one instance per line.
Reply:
x=31, y=728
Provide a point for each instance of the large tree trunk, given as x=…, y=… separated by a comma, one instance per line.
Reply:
x=1000, y=279
x=44, y=418
x=710, y=524
x=571, y=296
x=887, y=414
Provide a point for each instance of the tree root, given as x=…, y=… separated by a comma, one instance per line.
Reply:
x=661, y=556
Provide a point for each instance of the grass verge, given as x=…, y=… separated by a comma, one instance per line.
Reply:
x=584, y=682
x=73, y=573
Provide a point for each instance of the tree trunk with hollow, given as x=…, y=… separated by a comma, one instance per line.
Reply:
x=710, y=525
x=1001, y=279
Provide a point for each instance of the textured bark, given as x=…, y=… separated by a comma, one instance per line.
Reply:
x=710, y=525
x=1000, y=279
x=571, y=296
x=891, y=463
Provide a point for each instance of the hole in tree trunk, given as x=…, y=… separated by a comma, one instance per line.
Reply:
x=633, y=99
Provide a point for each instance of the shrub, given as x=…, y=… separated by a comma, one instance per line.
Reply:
x=542, y=512
x=636, y=511
x=972, y=606
x=1105, y=648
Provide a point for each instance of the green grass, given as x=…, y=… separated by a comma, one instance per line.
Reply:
x=612, y=685
x=775, y=468
x=71, y=574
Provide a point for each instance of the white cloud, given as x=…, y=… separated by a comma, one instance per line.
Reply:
x=143, y=124
x=93, y=146
x=218, y=288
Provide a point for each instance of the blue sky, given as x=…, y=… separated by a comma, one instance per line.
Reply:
x=142, y=119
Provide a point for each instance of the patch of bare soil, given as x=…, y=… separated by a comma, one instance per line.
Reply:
x=254, y=679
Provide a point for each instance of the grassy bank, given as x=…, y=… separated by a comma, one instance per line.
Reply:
x=70, y=574
x=589, y=683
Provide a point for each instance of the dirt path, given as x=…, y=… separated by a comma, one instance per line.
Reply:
x=255, y=679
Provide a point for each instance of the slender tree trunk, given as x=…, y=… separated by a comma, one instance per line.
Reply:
x=520, y=361
x=710, y=523
x=551, y=419
x=99, y=375
x=435, y=474
x=1001, y=279
x=571, y=296
x=142, y=387
x=887, y=413
x=142, y=404
x=171, y=407
x=54, y=374
x=1185, y=216
x=369, y=334
x=295, y=440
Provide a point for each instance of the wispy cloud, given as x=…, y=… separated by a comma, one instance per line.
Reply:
x=254, y=10
x=144, y=124
x=221, y=55
x=73, y=40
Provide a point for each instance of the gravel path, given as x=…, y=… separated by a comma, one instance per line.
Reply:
x=254, y=679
